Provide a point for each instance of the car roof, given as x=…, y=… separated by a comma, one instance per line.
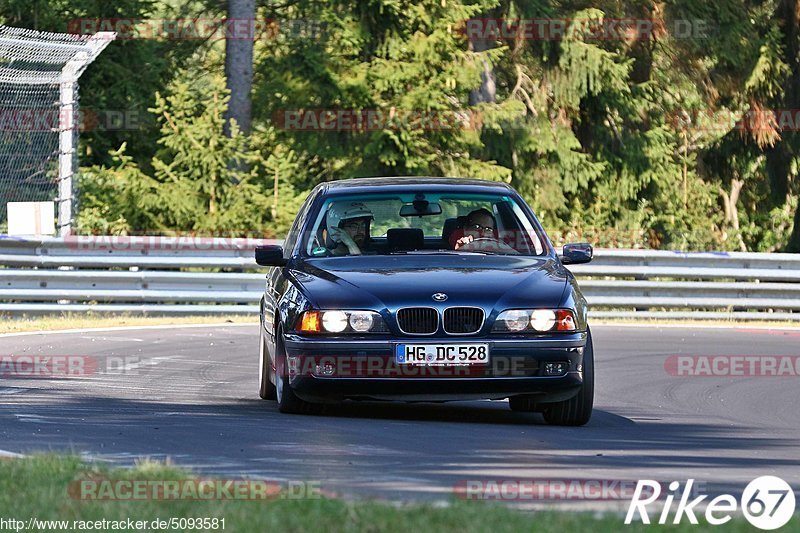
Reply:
x=415, y=183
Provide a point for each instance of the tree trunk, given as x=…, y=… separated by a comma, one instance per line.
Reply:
x=642, y=49
x=239, y=62
x=794, y=241
x=729, y=201
x=275, y=195
x=779, y=158
x=487, y=92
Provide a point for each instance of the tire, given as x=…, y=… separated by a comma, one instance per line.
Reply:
x=266, y=389
x=288, y=402
x=577, y=410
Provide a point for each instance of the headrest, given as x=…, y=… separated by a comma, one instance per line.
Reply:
x=449, y=227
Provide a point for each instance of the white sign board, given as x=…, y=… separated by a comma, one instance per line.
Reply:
x=31, y=218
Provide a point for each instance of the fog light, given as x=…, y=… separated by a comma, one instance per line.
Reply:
x=324, y=369
x=555, y=369
x=294, y=365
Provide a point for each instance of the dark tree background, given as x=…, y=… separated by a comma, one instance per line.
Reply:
x=684, y=137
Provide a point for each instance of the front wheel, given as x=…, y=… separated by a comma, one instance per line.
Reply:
x=266, y=390
x=577, y=410
x=288, y=402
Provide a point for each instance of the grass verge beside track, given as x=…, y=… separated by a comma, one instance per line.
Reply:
x=655, y=322
x=92, y=320
x=37, y=487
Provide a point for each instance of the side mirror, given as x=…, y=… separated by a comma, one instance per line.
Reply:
x=577, y=253
x=270, y=256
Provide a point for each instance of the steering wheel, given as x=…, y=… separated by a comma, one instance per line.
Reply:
x=496, y=245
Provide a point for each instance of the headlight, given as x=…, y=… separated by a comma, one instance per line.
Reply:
x=535, y=320
x=336, y=321
x=361, y=321
x=515, y=320
x=543, y=319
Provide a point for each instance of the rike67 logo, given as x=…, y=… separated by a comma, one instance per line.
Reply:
x=767, y=503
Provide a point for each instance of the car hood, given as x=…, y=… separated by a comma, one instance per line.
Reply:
x=389, y=282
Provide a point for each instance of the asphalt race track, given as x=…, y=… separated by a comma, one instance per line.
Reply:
x=190, y=394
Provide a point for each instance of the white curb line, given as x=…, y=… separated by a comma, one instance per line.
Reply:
x=9, y=455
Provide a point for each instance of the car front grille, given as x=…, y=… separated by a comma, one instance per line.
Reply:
x=463, y=320
x=418, y=320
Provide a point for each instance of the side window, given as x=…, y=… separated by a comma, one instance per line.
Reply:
x=528, y=233
x=294, y=231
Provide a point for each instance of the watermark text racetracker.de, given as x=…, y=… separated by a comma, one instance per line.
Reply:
x=179, y=242
x=68, y=366
x=732, y=366
x=756, y=120
x=367, y=120
x=193, y=29
x=200, y=489
x=442, y=365
x=53, y=119
x=587, y=29
x=545, y=490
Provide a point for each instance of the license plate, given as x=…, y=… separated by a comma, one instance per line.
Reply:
x=442, y=354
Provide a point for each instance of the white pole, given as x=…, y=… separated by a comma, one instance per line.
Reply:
x=68, y=125
x=66, y=144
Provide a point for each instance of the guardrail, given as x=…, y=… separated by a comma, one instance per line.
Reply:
x=154, y=275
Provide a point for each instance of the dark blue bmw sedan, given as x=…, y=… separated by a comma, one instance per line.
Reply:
x=424, y=289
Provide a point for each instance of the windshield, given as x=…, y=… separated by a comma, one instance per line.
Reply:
x=419, y=223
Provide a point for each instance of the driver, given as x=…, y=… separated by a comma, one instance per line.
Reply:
x=478, y=225
x=348, y=228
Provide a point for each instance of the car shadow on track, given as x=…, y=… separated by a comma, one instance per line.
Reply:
x=472, y=412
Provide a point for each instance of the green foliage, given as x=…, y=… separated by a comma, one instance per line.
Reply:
x=622, y=141
x=123, y=80
x=202, y=176
x=114, y=200
x=202, y=182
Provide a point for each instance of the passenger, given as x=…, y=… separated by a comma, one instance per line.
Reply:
x=348, y=228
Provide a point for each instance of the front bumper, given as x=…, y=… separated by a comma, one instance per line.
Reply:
x=333, y=369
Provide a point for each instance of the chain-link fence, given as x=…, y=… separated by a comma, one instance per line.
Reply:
x=39, y=115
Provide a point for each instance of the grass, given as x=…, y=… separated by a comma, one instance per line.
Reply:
x=37, y=486
x=94, y=320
